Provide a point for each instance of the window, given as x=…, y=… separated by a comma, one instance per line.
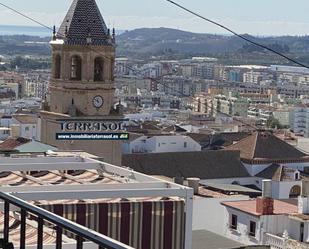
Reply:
x=234, y=222
x=27, y=128
x=76, y=68
x=57, y=73
x=185, y=144
x=252, y=230
x=98, y=69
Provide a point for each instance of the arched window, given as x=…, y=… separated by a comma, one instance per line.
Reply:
x=76, y=68
x=57, y=73
x=98, y=69
x=295, y=192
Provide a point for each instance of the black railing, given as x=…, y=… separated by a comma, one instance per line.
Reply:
x=82, y=233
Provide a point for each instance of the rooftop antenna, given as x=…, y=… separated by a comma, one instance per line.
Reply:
x=54, y=33
x=114, y=35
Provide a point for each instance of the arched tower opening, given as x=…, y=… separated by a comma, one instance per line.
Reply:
x=76, y=68
x=98, y=69
x=57, y=72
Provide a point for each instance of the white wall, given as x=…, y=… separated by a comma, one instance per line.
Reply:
x=243, y=227
x=161, y=144
x=274, y=224
x=4, y=134
x=281, y=190
x=303, y=144
x=27, y=130
x=208, y=213
x=5, y=122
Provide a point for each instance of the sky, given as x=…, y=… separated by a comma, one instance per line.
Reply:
x=255, y=17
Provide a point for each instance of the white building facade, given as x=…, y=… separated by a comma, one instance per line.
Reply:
x=161, y=144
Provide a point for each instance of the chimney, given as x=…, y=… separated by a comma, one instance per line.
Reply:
x=265, y=204
x=194, y=183
x=179, y=180
x=266, y=189
x=305, y=189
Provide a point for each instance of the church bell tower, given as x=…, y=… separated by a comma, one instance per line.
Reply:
x=82, y=81
x=83, y=57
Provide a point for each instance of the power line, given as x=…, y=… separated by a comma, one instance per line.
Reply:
x=128, y=67
x=25, y=16
x=238, y=35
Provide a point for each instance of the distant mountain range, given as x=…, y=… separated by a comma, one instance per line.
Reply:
x=172, y=43
x=30, y=31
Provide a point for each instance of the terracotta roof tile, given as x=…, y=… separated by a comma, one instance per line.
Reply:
x=280, y=206
x=12, y=143
x=264, y=145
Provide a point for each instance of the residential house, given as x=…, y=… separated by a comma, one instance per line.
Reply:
x=282, y=224
x=24, y=125
x=266, y=156
x=161, y=143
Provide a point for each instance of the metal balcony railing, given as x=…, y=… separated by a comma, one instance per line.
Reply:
x=82, y=233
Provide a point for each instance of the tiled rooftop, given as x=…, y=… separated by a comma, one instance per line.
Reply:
x=54, y=177
x=280, y=206
x=83, y=21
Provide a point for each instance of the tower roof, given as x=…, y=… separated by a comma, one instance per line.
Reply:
x=83, y=21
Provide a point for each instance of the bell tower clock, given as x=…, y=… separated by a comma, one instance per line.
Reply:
x=82, y=79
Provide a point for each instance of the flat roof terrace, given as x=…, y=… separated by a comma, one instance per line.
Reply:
x=61, y=176
x=72, y=179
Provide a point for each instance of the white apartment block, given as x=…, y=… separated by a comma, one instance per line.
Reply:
x=301, y=120
x=161, y=144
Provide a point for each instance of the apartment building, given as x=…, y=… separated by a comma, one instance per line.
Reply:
x=301, y=120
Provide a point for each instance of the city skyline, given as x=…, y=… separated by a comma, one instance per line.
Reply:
x=258, y=18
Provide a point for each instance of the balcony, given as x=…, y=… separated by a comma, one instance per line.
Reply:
x=59, y=224
x=275, y=242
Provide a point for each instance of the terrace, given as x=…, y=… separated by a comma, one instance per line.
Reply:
x=77, y=182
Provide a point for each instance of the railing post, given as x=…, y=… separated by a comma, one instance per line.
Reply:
x=6, y=229
x=59, y=238
x=23, y=214
x=40, y=233
x=79, y=242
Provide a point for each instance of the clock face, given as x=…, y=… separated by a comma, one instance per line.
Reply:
x=98, y=101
